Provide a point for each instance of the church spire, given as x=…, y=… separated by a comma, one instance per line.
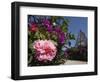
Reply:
x=81, y=39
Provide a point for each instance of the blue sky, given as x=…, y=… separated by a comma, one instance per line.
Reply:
x=76, y=24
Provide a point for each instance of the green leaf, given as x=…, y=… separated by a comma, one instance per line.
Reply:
x=37, y=35
x=42, y=36
x=30, y=59
x=29, y=33
x=71, y=36
x=54, y=37
x=53, y=18
x=47, y=35
x=63, y=27
x=54, y=42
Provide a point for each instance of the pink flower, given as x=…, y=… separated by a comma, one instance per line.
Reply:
x=45, y=50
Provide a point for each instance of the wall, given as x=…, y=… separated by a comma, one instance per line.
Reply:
x=5, y=40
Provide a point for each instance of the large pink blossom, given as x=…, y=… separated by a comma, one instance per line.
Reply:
x=45, y=50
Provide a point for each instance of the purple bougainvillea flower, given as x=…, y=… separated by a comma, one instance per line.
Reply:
x=49, y=28
x=46, y=22
x=60, y=34
x=48, y=25
x=65, y=54
x=61, y=39
x=58, y=30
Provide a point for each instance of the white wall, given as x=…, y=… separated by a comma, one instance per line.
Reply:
x=5, y=40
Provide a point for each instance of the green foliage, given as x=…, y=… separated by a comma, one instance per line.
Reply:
x=71, y=36
x=53, y=18
x=54, y=38
x=60, y=18
x=64, y=28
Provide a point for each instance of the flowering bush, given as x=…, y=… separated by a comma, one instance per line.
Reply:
x=47, y=36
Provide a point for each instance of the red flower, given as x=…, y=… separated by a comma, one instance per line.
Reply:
x=33, y=28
